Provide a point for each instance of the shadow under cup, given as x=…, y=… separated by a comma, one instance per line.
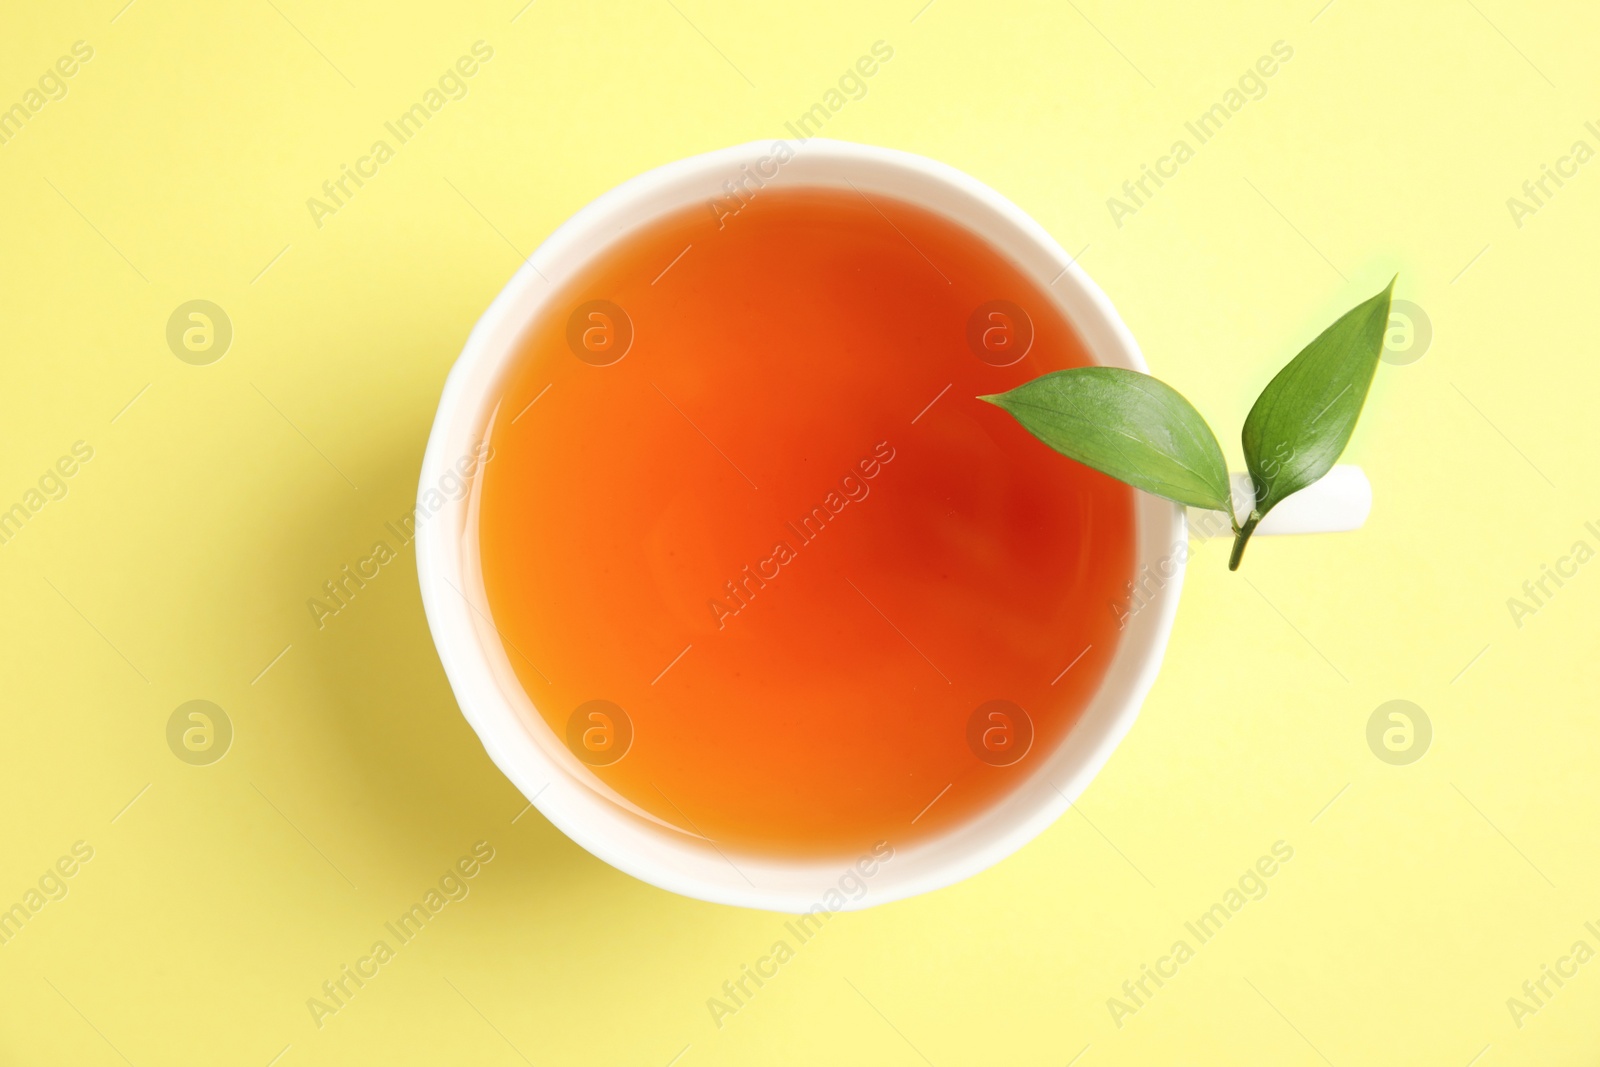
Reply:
x=868, y=681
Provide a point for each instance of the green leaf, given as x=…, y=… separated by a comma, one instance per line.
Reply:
x=1303, y=419
x=1128, y=425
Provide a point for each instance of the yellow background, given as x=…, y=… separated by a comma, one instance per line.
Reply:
x=179, y=564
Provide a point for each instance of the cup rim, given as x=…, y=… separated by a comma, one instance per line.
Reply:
x=447, y=568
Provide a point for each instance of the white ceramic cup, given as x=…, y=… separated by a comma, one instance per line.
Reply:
x=524, y=747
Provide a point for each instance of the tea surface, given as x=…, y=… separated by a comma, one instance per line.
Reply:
x=758, y=554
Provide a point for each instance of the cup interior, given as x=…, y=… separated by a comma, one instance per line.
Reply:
x=514, y=734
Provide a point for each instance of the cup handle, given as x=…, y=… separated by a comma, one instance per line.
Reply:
x=1339, y=501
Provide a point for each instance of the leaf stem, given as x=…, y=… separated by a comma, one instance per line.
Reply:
x=1242, y=535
